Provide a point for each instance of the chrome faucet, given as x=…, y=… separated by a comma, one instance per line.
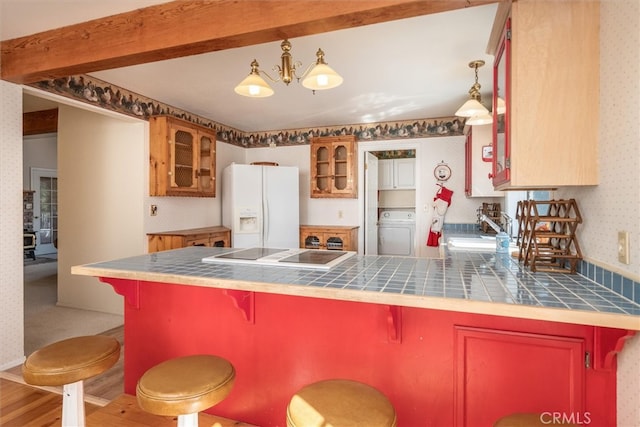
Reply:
x=492, y=224
x=508, y=223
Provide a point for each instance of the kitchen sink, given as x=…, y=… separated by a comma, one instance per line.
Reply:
x=475, y=244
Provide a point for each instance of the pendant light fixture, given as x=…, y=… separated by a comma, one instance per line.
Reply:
x=317, y=76
x=473, y=109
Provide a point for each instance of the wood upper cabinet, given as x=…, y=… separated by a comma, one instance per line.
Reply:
x=546, y=70
x=182, y=158
x=333, y=167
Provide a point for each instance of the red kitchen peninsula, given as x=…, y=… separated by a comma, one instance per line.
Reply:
x=441, y=360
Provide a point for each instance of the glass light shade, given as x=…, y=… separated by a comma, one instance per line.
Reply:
x=322, y=77
x=254, y=86
x=501, y=108
x=471, y=108
x=480, y=119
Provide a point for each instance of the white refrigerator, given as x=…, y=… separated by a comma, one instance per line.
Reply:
x=260, y=204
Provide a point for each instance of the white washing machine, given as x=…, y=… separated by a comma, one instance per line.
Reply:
x=396, y=233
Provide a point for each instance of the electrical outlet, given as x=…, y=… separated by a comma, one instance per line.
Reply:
x=340, y=214
x=623, y=247
x=154, y=210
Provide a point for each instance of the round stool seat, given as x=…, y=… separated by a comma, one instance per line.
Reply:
x=71, y=360
x=529, y=420
x=185, y=385
x=340, y=403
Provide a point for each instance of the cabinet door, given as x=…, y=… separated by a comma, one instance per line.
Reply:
x=333, y=169
x=206, y=164
x=501, y=126
x=183, y=153
x=342, y=169
x=197, y=241
x=336, y=241
x=385, y=174
x=404, y=173
x=320, y=169
x=311, y=238
x=500, y=372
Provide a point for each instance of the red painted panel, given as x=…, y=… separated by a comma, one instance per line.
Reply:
x=524, y=372
x=294, y=341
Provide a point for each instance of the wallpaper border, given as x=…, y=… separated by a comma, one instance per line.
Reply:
x=105, y=95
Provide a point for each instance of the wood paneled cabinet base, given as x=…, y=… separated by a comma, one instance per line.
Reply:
x=333, y=237
x=207, y=236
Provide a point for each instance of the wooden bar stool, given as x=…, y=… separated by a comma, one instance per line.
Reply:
x=68, y=363
x=184, y=386
x=530, y=420
x=340, y=403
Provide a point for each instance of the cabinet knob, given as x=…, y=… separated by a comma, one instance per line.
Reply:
x=491, y=176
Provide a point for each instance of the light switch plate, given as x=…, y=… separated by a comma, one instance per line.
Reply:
x=623, y=247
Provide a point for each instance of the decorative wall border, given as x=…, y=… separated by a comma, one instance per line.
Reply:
x=105, y=95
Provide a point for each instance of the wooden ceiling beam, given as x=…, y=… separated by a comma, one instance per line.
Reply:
x=38, y=122
x=183, y=28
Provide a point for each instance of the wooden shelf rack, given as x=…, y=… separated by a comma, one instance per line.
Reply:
x=547, y=235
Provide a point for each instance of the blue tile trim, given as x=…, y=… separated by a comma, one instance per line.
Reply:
x=462, y=228
x=619, y=284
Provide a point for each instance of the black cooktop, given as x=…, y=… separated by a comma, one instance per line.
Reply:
x=313, y=257
x=251, y=253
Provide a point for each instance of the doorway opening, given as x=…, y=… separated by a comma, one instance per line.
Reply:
x=44, y=184
x=390, y=189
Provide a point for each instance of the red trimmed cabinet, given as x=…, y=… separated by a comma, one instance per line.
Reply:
x=437, y=367
x=541, y=72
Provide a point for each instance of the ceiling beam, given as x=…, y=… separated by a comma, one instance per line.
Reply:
x=183, y=28
x=38, y=122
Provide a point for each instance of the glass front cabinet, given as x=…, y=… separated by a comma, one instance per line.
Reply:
x=333, y=167
x=182, y=156
x=545, y=97
x=501, y=85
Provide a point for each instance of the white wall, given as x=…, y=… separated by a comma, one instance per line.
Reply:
x=100, y=197
x=614, y=204
x=312, y=211
x=12, y=276
x=429, y=152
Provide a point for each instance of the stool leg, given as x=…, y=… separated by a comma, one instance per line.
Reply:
x=73, y=405
x=188, y=420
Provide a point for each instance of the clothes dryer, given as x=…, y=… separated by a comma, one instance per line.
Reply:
x=396, y=233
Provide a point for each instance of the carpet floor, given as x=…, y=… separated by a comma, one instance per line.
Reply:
x=46, y=322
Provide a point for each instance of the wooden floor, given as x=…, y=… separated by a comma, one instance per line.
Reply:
x=26, y=406
x=106, y=405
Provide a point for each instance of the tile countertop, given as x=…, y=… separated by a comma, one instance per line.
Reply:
x=472, y=282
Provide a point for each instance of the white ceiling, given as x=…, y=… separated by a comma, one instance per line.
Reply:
x=414, y=68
